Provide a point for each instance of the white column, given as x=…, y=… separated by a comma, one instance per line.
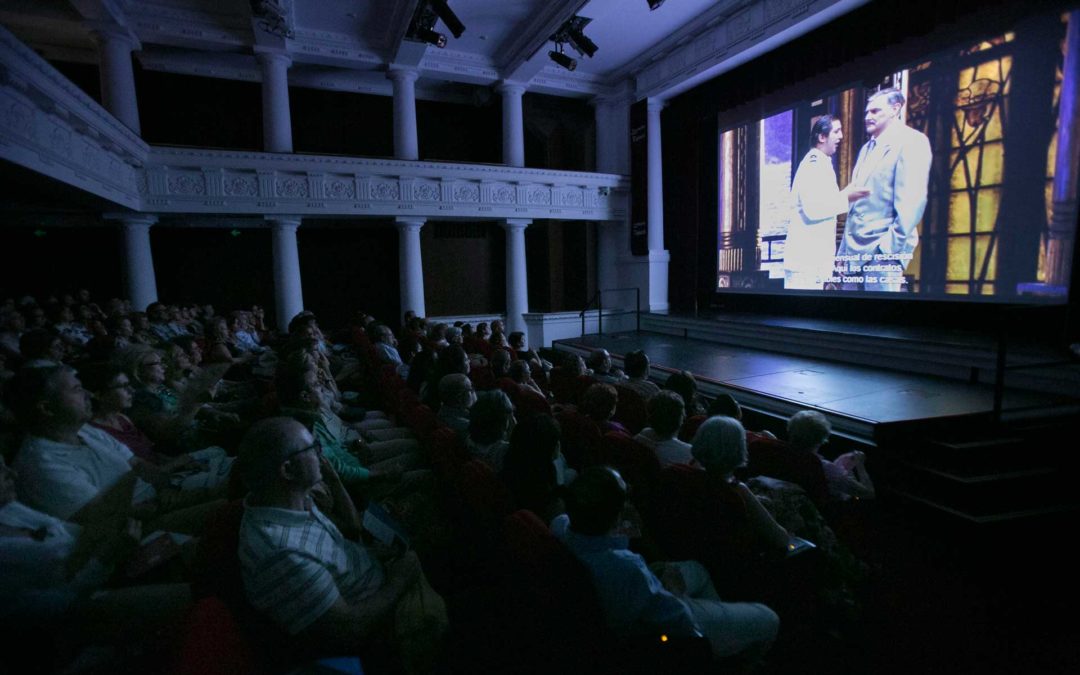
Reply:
x=658, y=257
x=138, y=258
x=117, y=74
x=609, y=247
x=411, y=265
x=406, y=144
x=513, y=125
x=277, y=119
x=288, y=295
x=517, y=279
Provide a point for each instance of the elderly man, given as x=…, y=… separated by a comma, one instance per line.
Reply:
x=603, y=369
x=881, y=231
x=308, y=571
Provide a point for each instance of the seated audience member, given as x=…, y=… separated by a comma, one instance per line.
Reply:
x=310, y=573
x=846, y=476
x=70, y=330
x=684, y=384
x=598, y=403
x=520, y=347
x=490, y=422
x=354, y=460
x=500, y=363
x=726, y=405
x=121, y=329
x=54, y=571
x=477, y=342
x=520, y=372
x=111, y=394
x=602, y=367
x=141, y=333
x=720, y=447
x=221, y=345
x=386, y=349
x=680, y=602
x=69, y=469
x=161, y=327
x=458, y=396
x=534, y=469
x=245, y=336
x=12, y=326
x=436, y=337
x=454, y=335
x=168, y=416
x=41, y=347
x=666, y=416
x=637, y=372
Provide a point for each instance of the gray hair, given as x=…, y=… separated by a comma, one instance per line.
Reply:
x=720, y=444
x=893, y=95
x=808, y=429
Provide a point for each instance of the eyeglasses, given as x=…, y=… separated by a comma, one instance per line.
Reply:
x=316, y=446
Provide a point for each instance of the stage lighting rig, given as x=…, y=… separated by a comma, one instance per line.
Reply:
x=573, y=33
x=562, y=59
x=422, y=27
x=448, y=17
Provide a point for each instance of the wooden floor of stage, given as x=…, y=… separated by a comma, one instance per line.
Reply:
x=858, y=397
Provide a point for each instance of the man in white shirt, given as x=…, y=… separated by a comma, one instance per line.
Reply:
x=810, y=247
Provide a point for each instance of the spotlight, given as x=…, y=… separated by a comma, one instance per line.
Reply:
x=448, y=17
x=562, y=59
x=572, y=32
x=431, y=37
x=653, y=4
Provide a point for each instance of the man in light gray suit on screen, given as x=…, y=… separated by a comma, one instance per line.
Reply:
x=881, y=231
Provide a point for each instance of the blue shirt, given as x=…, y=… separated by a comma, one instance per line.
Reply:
x=633, y=599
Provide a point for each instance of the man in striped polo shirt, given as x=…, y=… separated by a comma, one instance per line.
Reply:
x=306, y=570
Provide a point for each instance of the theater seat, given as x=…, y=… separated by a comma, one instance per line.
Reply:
x=776, y=459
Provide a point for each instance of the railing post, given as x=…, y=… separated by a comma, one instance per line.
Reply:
x=600, y=312
x=637, y=294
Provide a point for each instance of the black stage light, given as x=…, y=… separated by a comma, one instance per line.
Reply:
x=653, y=4
x=562, y=59
x=448, y=17
x=431, y=37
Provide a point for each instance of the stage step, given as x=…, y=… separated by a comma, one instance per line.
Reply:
x=981, y=474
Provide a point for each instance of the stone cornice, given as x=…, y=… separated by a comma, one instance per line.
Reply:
x=49, y=126
x=739, y=32
x=181, y=180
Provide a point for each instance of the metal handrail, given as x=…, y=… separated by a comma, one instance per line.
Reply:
x=598, y=299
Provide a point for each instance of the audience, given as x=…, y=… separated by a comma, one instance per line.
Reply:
x=637, y=372
x=490, y=421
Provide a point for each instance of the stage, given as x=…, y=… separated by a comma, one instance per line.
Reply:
x=778, y=366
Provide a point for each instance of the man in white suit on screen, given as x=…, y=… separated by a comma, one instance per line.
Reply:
x=881, y=231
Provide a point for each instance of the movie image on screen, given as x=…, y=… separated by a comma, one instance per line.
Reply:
x=954, y=177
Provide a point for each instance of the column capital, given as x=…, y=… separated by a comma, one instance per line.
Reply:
x=406, y=222
x=269, y=57
x=512, y=88
x=279, y=223
x=655, y=105
x=516, y=223
x=107, y=33
x=402, y=74
x=132, y=219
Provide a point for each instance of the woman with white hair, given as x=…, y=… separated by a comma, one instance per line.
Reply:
x=846, y=476
x=720, y=447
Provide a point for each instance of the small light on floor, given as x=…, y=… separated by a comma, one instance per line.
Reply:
x=663, y=638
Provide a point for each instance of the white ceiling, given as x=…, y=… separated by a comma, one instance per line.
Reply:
x=503, y=40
